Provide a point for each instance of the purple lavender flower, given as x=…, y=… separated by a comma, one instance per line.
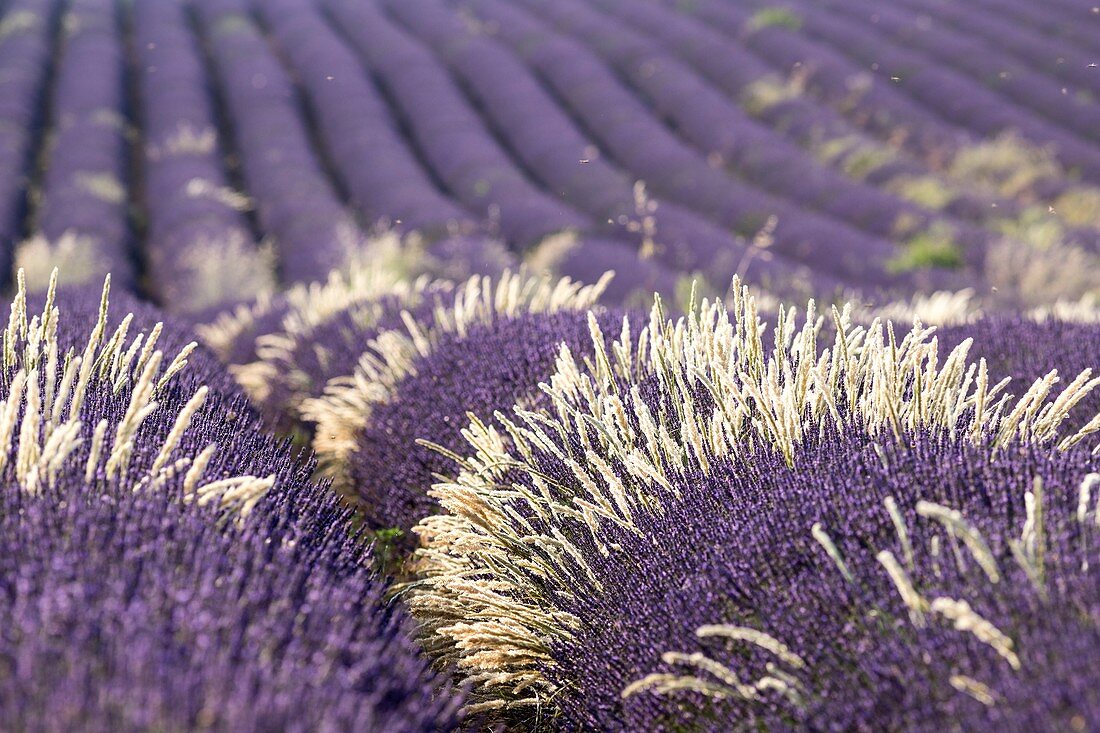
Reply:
x=738, y=549
x=295, y=364
x=167, y=566
x=80, y=218
x=81, y=304
x=1026, y=350
x=132, y=611
x=452, y=138
x=296, y=203
x=490, y=368
x=693, y=461
x=24, y=55
x=200, y=250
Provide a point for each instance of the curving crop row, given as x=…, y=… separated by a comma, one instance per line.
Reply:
x=369, y=156
x=27, y=30
x=199, y=247
x=1050, y=25
x=1084, y=14
x=295, y=201
x=940, y=183
x=385, y=179
x=983, y=62
x=820, y=130
x=627, y=131
x=448, y=131
x=831, y=77
x=82, y=216
x=1059, y=60
x=953, y=95
x=848, y=86
x=715, y=125
x=550, y=146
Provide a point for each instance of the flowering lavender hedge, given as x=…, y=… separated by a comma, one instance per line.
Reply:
x=827, y=73
x=81, y=219
x=1059, y=60
x=551, y=147
x=477, y=348
x=718, y=127
x=737, y=554
x=637, y=277
x=984, y=63
x=314, y=344
x=650, y=428
x=26, y=30
x=168, y=565
x=200, y=249
x=1026, y=350
x=833, y=140
x=830, y=75
x=448, y=131
x=1046, y=21
x=630, y=134
x=952, y=94
x=1016, y=83
x=135, y=612
x=368, y=153
x=81, y=305
x=487, y=369
x=295, y=201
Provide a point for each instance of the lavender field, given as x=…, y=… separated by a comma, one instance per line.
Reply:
x=550, y=365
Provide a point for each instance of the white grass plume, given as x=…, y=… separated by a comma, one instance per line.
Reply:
x=49, y=388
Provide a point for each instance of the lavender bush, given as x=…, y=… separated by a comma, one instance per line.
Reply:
x=81, y=217
x=167, y=565
x=477, y=350
x=200, y=246
x=295, y=201
x=1027, y=350
x=538, y=503
x=764, y=599
x=24, y=50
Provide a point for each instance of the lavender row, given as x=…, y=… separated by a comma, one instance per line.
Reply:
x=845, y=85
x=199, y=248
x=1082, y=18
x=951, y=94
x=554, y=150
x=24, y=62
x=843, y=82
x=983, y=62
x=830, y=138
x=142, y=593
x=82, y=217
x=637, y=278
x=957, y=191
x=449, y=132
x=294, y=199
x=485, y=179
x=631, y=135
x=742, y=548
x=720, y=129
x=371, y=159
x=1061, y=60
x=1045, y=23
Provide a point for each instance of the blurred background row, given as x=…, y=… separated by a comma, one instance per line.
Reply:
x=208, y=151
